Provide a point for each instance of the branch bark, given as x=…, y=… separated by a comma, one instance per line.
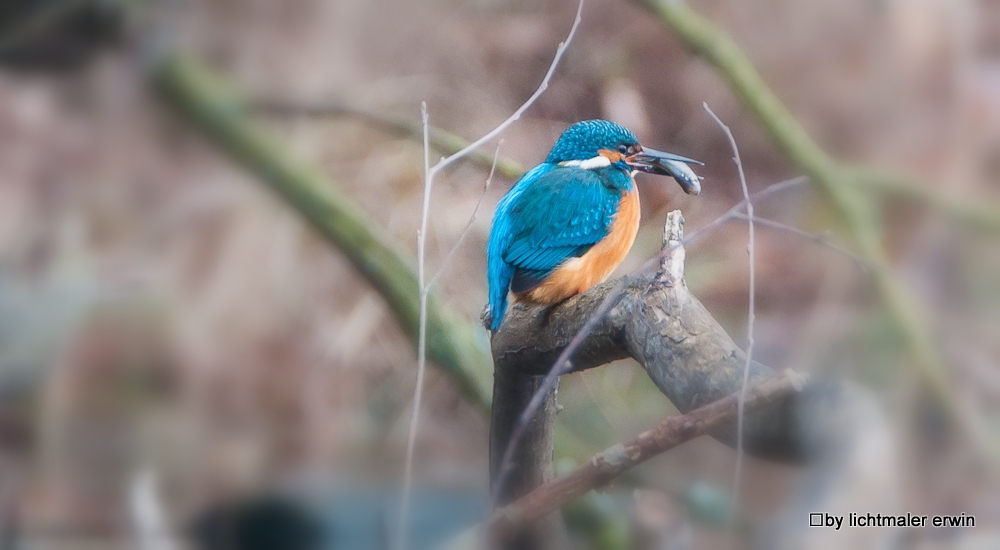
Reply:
x=664, y=327
x=532, y=460
x=691, y=359
x=614, y=461
x=209, y=103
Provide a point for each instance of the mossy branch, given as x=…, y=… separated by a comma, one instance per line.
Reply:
x=842, y=184
x=206, y=100
x=211, y=104
x=976, y=216
x=713, y=45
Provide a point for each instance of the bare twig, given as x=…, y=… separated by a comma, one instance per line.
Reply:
x=751, y=309
x=560, y=50
x=617, y=459
x=210, y=102
x=429, y=173
x=562, y=364
x=818, y=238
x=844, y=186
x=441, y=140
x=472, y=218
x=411, y=438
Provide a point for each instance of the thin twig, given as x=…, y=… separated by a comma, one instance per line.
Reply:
x=751, y=309
x=441, y=140
x=843, y=186
x=472, y=218
x=560, y=50
x=617, y=459
x=429, y=173
x=562, y=363
x=421, y=342
x=733, y=214
x=818, y=238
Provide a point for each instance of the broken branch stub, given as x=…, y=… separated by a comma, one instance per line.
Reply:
x=685, y=351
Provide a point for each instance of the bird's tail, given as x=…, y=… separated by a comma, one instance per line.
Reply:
x=500, y=274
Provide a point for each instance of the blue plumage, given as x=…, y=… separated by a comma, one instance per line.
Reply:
x=555, y=212
x=561, y=208
x=584, y=140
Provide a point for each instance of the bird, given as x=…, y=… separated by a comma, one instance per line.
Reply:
x=570, y=221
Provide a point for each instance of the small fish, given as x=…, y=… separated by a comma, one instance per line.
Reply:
x=669, y=164
x=685, y=176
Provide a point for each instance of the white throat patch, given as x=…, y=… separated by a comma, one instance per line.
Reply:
x=599, y=161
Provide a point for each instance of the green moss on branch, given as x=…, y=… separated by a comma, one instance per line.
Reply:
x=204, y=99
x=844, y=186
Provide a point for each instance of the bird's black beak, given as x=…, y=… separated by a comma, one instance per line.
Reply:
x=668, y=164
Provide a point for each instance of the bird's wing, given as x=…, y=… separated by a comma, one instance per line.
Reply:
x=563, y=213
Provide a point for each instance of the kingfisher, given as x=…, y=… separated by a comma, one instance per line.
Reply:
x=570, y=221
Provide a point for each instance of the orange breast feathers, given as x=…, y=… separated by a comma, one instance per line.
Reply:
x=577, y=275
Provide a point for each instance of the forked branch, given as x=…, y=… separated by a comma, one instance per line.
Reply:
x=617, y=459
x=658, y=322
x=653, y=318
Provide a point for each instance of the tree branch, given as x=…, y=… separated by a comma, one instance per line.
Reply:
x=617, y=459
x=207, y=101
x=658, y=322
x=970, y=213
x=843, y=187
x=715, y=46
x=818, y=238
x=654, y=318
x=441, y=140
x=212, y=105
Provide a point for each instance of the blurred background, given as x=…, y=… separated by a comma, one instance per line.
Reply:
x=176, y=343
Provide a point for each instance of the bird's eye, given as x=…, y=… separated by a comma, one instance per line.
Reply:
x=623, y=149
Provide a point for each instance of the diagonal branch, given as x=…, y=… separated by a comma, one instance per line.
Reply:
x=654, y=319
x=547, y=536
x=207, y=101
x=472, y=218
x=657, y=321
x=843, y=186
x=442, y=140
x=818, y=238
x=672, y=250
x=617, y=459
x=486, y=138
x=716, y=47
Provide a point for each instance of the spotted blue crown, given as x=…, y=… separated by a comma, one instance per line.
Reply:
x=583, y=140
